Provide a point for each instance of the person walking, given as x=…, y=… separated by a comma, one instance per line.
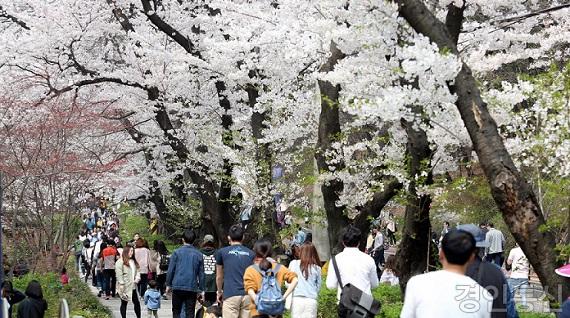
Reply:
x=564, y=271
x=520, y=270
x=78, y=249
x=110, y=256
x=142, y=255
x=448, y=292
x=444, y=230
x=378, y=251
x=185, y=276
x=391, y=229
x=34, y=306
x=128, y=275
x=208, y=251
x=231, y=263
x=163, y=262
x=496, y=243
x=152, y=299
x=489, y=276
x=308, y=271
x=100, y=267
x=153, y=264
x=355, y=267
x=252, y=278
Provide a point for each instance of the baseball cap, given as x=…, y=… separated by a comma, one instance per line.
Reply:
x=209, y=238
x=476, y=232
x=563, y=271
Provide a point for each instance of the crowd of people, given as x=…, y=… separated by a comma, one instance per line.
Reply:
x=202, y=280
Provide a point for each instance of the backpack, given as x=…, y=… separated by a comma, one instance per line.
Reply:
x=164, y=262
x=269, y=299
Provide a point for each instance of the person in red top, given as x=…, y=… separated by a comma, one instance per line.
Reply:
x=64, y=278
x=109, y=255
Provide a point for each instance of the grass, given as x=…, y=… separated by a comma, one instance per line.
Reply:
x=391, y=299
x=79, y=298
x=131, y=224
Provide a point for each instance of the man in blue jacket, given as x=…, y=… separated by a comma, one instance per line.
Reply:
x=185, y=276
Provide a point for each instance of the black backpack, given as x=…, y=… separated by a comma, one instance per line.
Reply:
x=164, y=262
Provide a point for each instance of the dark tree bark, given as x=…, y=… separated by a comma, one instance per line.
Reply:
x=373, y=207
x=215, y=199
x=512, y=193
x=329, y=130
x=264, y=161
x=414, y=250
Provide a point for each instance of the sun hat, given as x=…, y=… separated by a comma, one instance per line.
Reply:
x=476, y=232
x=563, y=271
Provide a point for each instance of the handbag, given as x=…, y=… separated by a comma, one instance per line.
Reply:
x=359, y=303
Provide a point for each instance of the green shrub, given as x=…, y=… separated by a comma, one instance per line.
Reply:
x=536, y=315
x=79, y=298
x=389, y=297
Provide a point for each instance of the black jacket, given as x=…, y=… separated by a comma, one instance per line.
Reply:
x=491, y=278
x=15, y=297
x=34, y=306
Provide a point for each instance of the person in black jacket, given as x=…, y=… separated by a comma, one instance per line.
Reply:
x=489, y=276
x=34, y=306
x=12, y=295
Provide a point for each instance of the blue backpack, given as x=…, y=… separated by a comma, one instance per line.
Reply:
x=269, y=299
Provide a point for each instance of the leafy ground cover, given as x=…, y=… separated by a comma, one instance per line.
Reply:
x=79, y=298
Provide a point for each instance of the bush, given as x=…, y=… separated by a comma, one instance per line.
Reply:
x=389, y=297
x=79, y=298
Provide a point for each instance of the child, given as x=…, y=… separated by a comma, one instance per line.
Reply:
x=152, y=299
x=64, y=278
x=213, y=312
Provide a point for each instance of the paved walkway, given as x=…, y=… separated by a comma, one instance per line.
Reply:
x=114, y=304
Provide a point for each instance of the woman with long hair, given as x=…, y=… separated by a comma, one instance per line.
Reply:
x=308, y=270
x=128, y=275
x=252, y=279
x=142, y=256
x=162, y=268
x=390, y=273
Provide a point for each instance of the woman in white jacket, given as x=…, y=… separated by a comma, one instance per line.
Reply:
x=128, y=275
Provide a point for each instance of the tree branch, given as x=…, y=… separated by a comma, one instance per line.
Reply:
x=99, y=80
x=454, y=20
x=167, y=29
x=6, y=15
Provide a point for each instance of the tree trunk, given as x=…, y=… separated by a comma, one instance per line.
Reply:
x=329, y=130
x=512, y=193
x=264, y=161
x=414, y=249
x=373, y=207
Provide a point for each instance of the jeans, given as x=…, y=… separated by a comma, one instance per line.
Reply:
x=496, y=258
x=110, y=282
x=101, y=281
x=378, y=257
x=521, y=284
x=183, y=298
x=136, y=303
x=78, y=263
